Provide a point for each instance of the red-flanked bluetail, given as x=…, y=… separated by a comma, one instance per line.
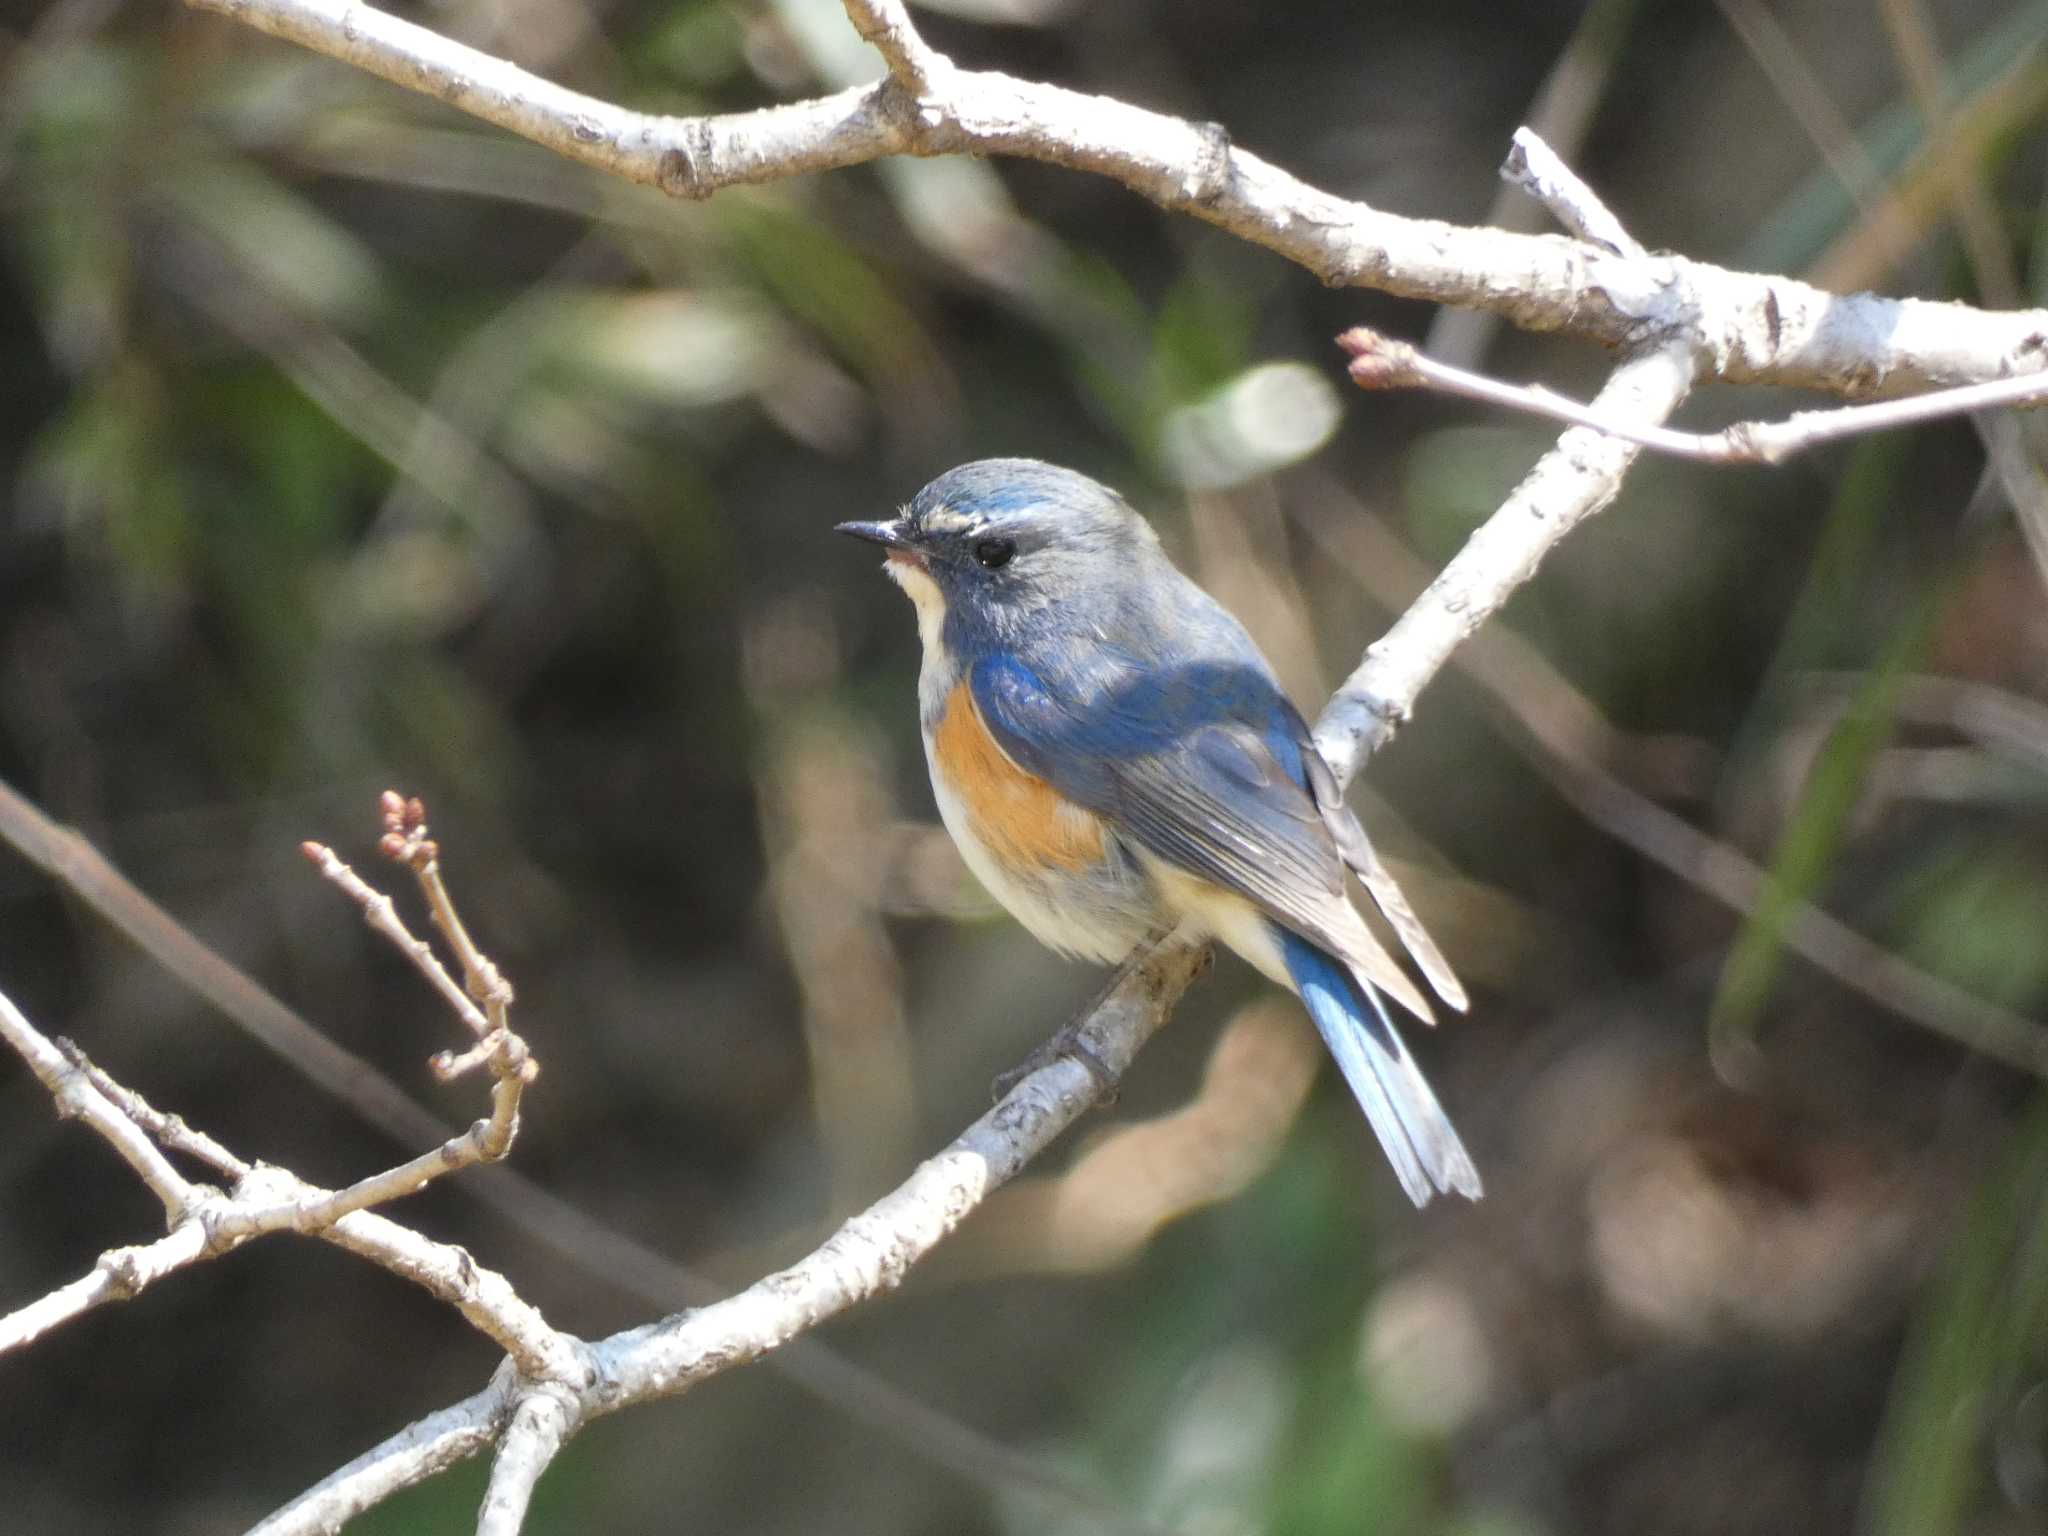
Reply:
x=1114, y=757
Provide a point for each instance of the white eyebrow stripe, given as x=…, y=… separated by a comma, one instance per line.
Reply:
x=945, y=520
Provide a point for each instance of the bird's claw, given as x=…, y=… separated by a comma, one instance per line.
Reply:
x=1067, y=1043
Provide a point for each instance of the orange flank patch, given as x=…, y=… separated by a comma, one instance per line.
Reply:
x=1023, y=821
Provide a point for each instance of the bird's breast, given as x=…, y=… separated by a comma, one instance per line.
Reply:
x=1050, y=862
x=1018, y=817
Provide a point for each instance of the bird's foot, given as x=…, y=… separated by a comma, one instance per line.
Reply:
x=1069, y=1043
x=1072, y=1041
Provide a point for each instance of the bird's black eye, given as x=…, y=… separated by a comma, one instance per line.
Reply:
x=994, y=554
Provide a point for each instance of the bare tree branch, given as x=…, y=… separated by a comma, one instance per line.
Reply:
x=1740, y=327
x=543, y=1419
x=872, y=1251
x=205, y=1223
x=885, y=26
x=434, y=1444
x=263, y=1200
x=601, y=1253
x=1562, y=111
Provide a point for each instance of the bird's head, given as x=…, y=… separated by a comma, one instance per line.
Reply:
x=1001, y=539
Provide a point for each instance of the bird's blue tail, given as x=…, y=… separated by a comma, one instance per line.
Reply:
x=1411, y=1125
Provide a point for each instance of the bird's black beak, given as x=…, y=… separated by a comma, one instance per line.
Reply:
x=893, y=535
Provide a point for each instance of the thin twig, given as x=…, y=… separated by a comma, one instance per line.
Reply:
x=885, y=26
x=1562, y=111
x=119, y=1274
x=77, y=1097
x=1533, y=166
x=1570, y=483
x=166, y=1130
x=1383, y=362
x=265, y=1200
x=383, y=919
x=406, y=842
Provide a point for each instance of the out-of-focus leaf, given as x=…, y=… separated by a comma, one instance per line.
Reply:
x=823, y=280
x=301, y=254
x=1972, y=913
x=69, y=224
x=1824, y=628
x=96, y=470
x=1201, y=339
x=1353, y=1469
x=1205, y=1463
x=1266, y=418
x=75, y=99
x=834, y=51
x=702, y=45
x=561, y=436
x=1118, y=390
x=416, y=583
x=1346, y=1465
x=371, y=146
x=1983, y=129
x=1813, y=838
x=78, y=255
x=309, y=470
x=1982, y=1329
x=671, y=347
x=1216, y=1445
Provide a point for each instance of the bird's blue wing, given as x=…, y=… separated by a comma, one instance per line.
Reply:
x=1201, y=763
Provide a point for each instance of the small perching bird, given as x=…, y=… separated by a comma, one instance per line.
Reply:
x=1114, y=757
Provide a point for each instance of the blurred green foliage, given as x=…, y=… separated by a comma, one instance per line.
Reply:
x=352, y=444
x=1975, y=1352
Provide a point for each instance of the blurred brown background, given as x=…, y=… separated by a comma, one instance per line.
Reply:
x=349, y=444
